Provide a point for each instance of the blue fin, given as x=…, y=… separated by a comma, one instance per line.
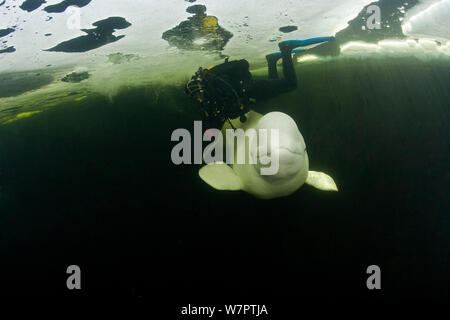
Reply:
x=307, y=42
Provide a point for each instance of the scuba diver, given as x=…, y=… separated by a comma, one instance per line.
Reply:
x=227, y=91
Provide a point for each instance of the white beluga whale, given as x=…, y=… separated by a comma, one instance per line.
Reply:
x=276, y=146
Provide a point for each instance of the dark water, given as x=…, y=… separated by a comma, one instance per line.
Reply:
x=93, y=185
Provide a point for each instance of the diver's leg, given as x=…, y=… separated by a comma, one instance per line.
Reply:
x=268, y=88
x=272, y=60
x=265, y=89
x=288, y=68
x=287, y=48
x=261, y=89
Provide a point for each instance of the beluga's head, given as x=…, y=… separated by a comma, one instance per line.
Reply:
x=268, y=159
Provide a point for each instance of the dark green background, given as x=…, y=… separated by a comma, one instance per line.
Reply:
x=92, y=184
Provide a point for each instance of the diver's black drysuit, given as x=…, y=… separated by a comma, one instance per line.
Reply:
x=268, y=88
x=228, y=90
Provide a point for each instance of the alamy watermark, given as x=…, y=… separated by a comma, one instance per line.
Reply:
x=74, y=19
x=374, y=20
x=374, y=280
x=73, y=282
x=256, y=147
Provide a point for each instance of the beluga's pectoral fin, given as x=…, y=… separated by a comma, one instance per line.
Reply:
x=321, y=181
x=220, y=176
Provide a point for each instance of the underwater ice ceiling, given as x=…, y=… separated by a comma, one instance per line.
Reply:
x=37, y=33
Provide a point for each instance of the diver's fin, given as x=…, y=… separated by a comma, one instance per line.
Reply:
x=220, y=176
x=292, y=44
x=321, y=181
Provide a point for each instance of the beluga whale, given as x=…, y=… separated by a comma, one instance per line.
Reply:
x=273, y=158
